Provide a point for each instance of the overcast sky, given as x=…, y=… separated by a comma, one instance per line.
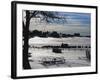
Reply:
x=75, y=23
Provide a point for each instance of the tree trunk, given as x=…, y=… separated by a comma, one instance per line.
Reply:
x=26, y=64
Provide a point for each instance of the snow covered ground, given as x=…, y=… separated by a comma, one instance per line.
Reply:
x=37, y=41
x=73, y=57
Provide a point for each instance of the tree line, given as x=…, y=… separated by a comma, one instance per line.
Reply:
x=53, y=34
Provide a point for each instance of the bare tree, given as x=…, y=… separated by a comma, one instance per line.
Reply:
x=48, y=17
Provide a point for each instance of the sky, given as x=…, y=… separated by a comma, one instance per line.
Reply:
x=73, y=23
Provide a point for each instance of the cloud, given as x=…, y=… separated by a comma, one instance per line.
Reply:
x=76, y=22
